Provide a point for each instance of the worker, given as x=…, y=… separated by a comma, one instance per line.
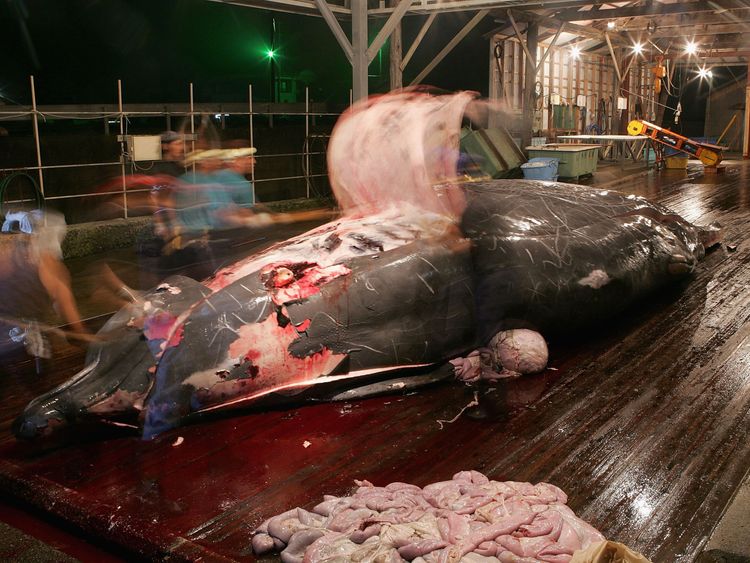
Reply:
x=34, y=284
x=173, y=155
x=238, y=164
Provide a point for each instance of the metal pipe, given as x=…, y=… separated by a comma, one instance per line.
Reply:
x=122, y=150
x=307, y=137
x=36, y=137
x=290, y=178
x=98, y=194
x=252, y=144
x=121, y=115
x=276, y=155
x=192, y=125
x=53, y=166
x=99, y=114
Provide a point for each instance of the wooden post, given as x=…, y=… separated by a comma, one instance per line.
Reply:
x=532, y=42
x=746, y=135
x=550, y=88
x=395, y=52
x=616, y=84
x=496, y=84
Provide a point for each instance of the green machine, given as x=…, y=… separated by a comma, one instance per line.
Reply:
x=490, y=152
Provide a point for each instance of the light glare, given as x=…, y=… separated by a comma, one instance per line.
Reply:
x=610, y=25
x=575, y=52
x=703, y=72
x=637, y=48
x=691, y=48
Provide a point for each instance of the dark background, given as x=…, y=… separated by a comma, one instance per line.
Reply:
x=77, y=49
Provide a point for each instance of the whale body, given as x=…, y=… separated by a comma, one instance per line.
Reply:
x=392, y=294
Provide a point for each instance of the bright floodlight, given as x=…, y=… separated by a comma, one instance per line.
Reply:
x=575, y=52
x=703, y=72
x=270, y=53
x=637, y=48
x=691, y=48
x=610, y=25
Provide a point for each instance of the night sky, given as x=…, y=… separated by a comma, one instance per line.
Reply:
x=77, y=49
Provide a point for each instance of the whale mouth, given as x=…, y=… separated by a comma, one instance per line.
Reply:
x=37, y=425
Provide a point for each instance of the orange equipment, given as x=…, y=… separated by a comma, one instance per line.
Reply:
x=659, y=71
x=710, y=155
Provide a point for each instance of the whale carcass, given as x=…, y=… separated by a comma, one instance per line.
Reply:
x=409, y=277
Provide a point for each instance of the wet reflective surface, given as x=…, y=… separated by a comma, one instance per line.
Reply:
x=643, y=422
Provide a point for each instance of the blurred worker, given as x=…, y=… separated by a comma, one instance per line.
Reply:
x=172, y=155
x=214, y=211
x=238, y=164
x=33, y=282
x=168, y=170
x=217, y=196
x=197, y=200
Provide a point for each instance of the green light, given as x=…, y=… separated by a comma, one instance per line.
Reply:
x=270, y=53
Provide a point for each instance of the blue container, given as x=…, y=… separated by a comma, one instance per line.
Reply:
x=540, y=168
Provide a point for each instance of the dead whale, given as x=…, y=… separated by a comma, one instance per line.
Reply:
x=410, y=277
x=356, y=298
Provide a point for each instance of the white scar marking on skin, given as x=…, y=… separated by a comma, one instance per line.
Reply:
x=430, y=263
x=426, y=284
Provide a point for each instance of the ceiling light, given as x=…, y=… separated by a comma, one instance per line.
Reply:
x=703, y=72
x=575, y=52
x=610, y=25
x=691, y=48
x=637, y=48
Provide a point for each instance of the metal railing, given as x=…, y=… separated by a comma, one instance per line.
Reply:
x=169, y=111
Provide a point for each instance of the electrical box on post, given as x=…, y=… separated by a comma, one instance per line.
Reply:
x=145, y=147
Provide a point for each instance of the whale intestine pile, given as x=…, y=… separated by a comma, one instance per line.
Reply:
x=469, y=518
